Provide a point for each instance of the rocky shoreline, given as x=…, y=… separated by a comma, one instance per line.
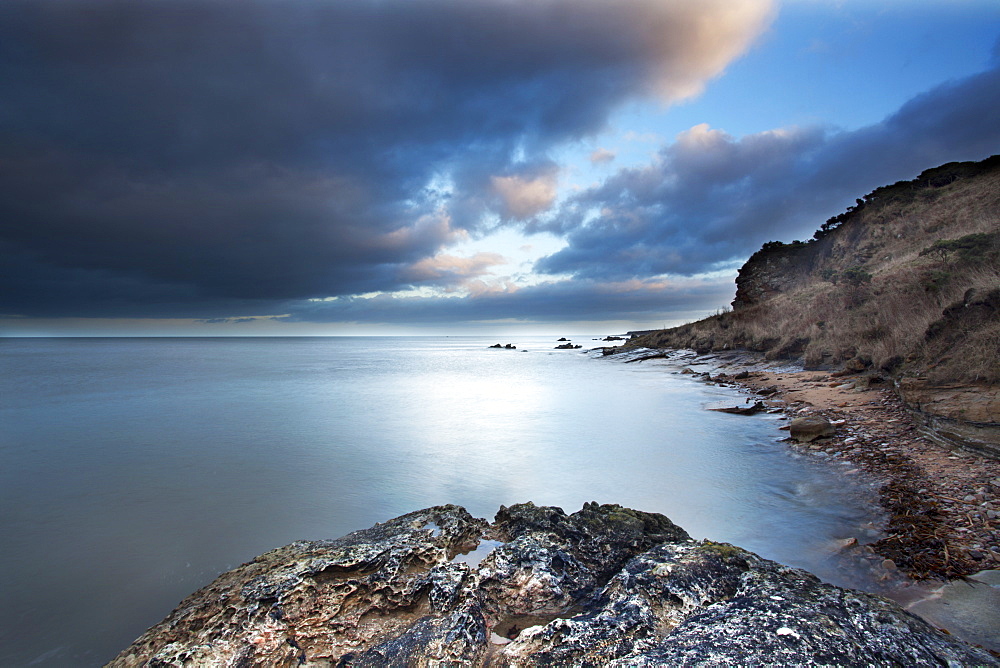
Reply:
x=605, y=585
x=942, y=504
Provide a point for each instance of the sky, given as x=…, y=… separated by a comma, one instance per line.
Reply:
x=367, y=167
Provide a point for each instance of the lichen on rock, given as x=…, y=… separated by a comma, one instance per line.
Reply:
x=606, y=585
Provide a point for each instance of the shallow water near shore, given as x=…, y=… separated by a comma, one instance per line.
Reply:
x=136, y=470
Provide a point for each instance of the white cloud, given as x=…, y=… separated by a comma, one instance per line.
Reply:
x=524, y=197
x=696, y=45
x=452, y=272
x=602, y=156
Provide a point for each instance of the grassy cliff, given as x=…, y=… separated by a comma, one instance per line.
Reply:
x=884, y=285
x=905, y=284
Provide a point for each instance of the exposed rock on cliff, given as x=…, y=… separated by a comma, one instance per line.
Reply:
x=604, y=586
x=774, y=269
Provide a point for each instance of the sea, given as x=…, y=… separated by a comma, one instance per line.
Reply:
x=134, y=470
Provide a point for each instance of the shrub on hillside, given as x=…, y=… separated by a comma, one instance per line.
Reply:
x=970, y=249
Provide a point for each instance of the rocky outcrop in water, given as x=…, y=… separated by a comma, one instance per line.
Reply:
x=604, y=586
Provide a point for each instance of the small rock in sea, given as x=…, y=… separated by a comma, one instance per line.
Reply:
x=741, y=410
x=845, y=543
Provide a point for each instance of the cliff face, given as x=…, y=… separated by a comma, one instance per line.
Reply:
x=773, y=270
x=939, y=231
x=605, y=586
x=904, y=285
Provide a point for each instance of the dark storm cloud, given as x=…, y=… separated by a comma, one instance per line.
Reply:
x=211, y=159
x=710, y=198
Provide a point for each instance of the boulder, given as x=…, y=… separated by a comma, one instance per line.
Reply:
x=606, y=585
x=810, y=427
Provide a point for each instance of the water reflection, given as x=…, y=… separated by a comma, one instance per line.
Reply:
x=136, y=470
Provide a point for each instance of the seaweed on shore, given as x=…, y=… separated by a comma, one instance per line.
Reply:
x=917, y=540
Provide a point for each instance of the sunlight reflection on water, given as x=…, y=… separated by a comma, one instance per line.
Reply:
x=138, y=469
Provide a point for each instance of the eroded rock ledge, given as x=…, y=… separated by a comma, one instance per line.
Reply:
x=604, y=586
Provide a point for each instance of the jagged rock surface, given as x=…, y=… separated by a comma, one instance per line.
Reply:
x=604, y=586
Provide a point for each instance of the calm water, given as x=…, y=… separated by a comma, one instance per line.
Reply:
x=135, y=470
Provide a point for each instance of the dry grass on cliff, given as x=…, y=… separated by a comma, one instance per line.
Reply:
x=882, y=321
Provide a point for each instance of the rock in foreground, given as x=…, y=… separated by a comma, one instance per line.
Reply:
x=604, y=586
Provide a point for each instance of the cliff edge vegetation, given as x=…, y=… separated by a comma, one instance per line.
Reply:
x=904, y=287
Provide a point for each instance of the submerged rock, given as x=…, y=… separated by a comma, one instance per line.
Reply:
x=603, y=586
x=757, y=407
